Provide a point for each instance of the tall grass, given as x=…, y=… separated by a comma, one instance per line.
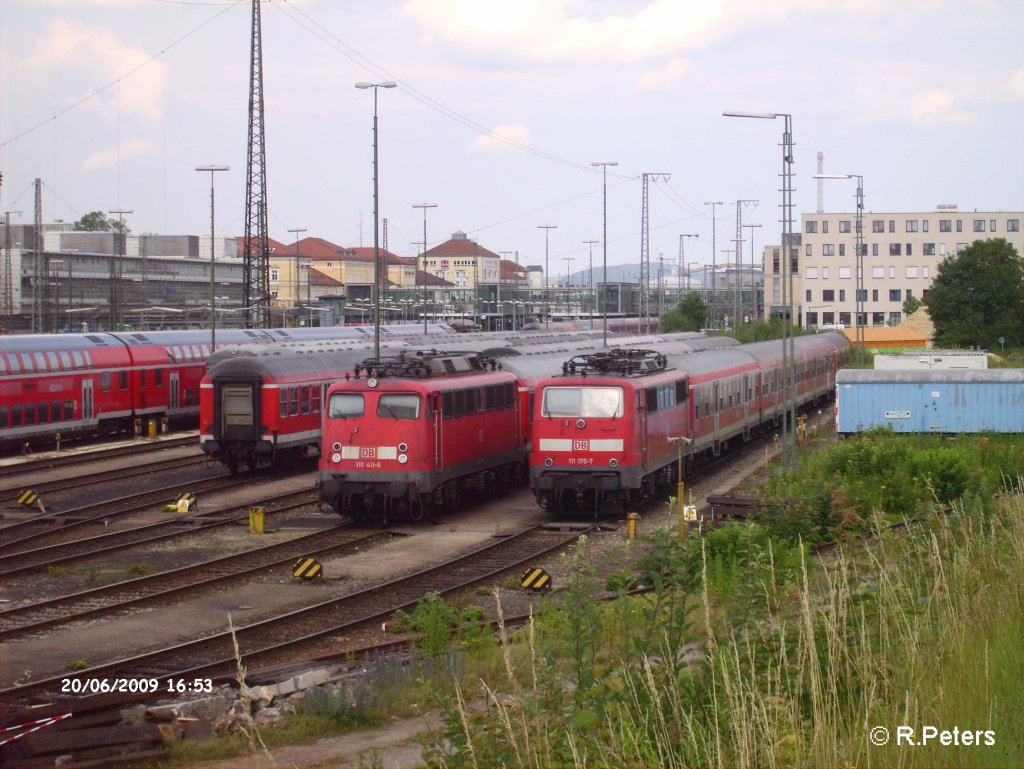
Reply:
x=920, y=629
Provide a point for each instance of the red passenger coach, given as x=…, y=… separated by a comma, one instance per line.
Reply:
x=413, y=434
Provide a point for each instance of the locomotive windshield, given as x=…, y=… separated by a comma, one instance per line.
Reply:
x=399, y=406
x=582, y=402
x=345, y=406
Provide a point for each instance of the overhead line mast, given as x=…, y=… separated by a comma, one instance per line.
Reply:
x=256, y=255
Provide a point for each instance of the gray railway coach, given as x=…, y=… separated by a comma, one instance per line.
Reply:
x=937, y=401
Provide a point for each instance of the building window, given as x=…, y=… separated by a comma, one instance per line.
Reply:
x=824, y=273
x=812, y=273
x=959, y=225
x=842, y=249
x=892, y=225
x=945, y=225
x=845, y=273
x=979, y=225
x=844, y=319
x=1013, y=225
x=807, y=250
x=808, y=295
x=810, y=226
x=274, y=276
x=878, y=319
x=844, y=225
x=910, y=247
x=895, y=249
x=828, y=318
x=824, y=227
x=862, y=295
x=895, y=318
x=911, y=271
x=874, y=249
x=991, y=225
x=878, y=273
x=961, y=247
x=925, y=272
x=892, y=271
x=924, y=225
x=842, y=295
x=910, y=293
x=812, y=319
x=878, y=225
x=911, y=225
x=775, y=261
x=928, y=249
x=942, y=249
x=828, y=249
x=895, y=295
x=828, y=295
x=874, y=295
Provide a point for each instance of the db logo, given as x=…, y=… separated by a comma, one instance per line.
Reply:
x=581, y=445
x=367, y=453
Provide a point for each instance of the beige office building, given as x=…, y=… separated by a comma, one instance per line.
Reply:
x=902, y=252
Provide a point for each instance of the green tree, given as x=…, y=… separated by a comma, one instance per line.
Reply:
x=691, y=314
x=97, y=221
x=911, y=305
x=978, y=296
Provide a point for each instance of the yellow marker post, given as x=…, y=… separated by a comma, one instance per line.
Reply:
x=257, y=519
x=632, y=525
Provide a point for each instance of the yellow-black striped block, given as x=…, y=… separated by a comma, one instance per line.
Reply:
x=536, y=579
x=307, y=568
x=27, y=498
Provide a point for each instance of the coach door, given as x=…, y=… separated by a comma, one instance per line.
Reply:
x=174, y=390
x=747, y=395
x=86, y=399
x=716, y=395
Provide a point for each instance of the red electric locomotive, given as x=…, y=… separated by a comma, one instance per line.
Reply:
x=610, y=430
x=409, y=435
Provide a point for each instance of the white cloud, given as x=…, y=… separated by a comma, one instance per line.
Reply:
x=111, y=157
x=664, y=76
x=100, y=55
x=493, y=142
x=936, y=106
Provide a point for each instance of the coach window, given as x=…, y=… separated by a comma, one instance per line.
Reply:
x=51, y=357
x=44, y=413
x=69, y=409
x=459, y=399
x=293, y=401
x=55, y=411
x=40, y=361
x=314, y=400
x=142, y=380
x=399, y=406
x=3, y=416
x=158, y=377
x=304, y=399
x=345, y=406
x=65, y=361
x=15, y=416
x=76, y=356
x=30, y=413
x=105, y=381
x=26, y=360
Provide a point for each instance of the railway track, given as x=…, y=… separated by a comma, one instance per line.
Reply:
x=51, y=461
x=274, y=640
x=156, y=588
x=62, y=553
x=66, y=524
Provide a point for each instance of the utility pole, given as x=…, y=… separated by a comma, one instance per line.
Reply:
x=714, y=264
x=738, y=240
x=590, y=275
x=256, y=253
x=116, y=271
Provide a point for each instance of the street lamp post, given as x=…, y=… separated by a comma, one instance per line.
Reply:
x=116, y=286
x=295, y=231
x=753, y=289
x=424, y=206
x=547, y=273
x=375, y=293
x=788, y=346
x=213, y=293
x=604, y=237
x=682, y=259
x=858, y=261
x=568, y=296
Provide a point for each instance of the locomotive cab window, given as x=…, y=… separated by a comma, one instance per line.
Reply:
x=582, y=402
x=345, y=406
x=398, y=406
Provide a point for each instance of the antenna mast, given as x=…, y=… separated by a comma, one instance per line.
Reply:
x=256, y=257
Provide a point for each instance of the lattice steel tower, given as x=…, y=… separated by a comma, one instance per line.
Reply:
x=645, y=251
x=256, y=257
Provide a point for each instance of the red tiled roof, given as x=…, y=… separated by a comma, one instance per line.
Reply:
x=460, y=247
x=512, y=271
x=365, y=254
x=432, y=280
x=318, y=278
x=277, y=248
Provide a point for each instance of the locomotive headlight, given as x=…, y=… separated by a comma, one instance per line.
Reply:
x=613, y=462
x=371, y=382
x=336, y=446
x=335, y=457
x=402, y=459
x=403, y=447
x=548, y=462
x=580, y=423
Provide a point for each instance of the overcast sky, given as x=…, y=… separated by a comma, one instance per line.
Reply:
x=501, y=107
